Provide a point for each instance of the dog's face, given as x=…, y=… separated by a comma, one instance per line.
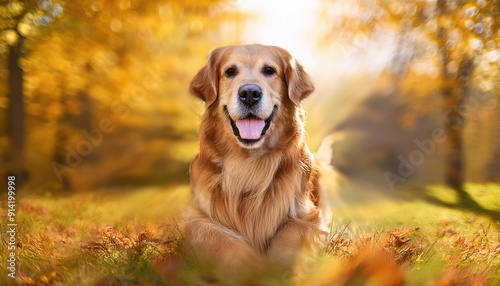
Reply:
x=251, y=86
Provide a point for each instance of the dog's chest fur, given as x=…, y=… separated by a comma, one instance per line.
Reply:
x=257, y=195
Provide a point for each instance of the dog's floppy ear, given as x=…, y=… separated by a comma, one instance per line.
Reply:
x=205, y=84
x=299, y=83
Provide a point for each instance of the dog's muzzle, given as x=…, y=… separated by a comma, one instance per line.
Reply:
x=250, y=129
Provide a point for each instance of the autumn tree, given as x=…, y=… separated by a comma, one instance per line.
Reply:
x=19, y=21
x=460, y=39
x=126, y=61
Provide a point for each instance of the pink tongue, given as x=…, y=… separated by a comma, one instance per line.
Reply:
x=250, y=128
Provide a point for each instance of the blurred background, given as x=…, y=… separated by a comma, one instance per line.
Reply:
x=94, y=94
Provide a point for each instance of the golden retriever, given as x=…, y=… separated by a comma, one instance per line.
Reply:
x=255, y=189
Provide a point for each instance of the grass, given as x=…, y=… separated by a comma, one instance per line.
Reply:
x=433, y=243
x=121, y=237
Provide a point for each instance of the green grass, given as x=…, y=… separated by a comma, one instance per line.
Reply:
x=129, y=237
x=451, y=236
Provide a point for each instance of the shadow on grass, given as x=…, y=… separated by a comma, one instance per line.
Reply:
x=369, y=187
x=464, y=201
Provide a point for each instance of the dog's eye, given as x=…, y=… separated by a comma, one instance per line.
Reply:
x=268, y=71
x=230, y=72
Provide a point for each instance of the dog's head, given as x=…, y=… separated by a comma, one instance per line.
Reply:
x=252, y=86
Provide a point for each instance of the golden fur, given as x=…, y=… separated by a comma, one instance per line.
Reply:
x=261, y=200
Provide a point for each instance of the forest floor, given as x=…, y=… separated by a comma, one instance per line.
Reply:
x=418, y=236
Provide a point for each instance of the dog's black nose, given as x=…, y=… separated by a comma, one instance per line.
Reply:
x=250, y=94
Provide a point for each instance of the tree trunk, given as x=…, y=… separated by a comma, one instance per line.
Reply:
x=16, y=165
x=455, y=90
x=492, y=167
x=60, y=141
x=454, y=173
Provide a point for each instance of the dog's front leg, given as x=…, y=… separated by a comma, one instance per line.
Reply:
x=286, y=244
x=215, y=244
x=291, y=238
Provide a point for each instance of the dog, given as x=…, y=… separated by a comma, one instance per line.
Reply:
x=256, y=193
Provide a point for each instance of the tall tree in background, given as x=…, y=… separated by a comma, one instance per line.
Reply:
x=128, y=61
x=18, y=21
x=454, y=37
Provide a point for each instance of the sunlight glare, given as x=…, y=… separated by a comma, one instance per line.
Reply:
x=288, y=24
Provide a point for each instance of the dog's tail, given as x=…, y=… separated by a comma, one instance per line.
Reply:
x=327, y=181
x=325, y=151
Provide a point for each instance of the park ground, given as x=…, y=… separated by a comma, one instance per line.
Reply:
x=415, y=236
